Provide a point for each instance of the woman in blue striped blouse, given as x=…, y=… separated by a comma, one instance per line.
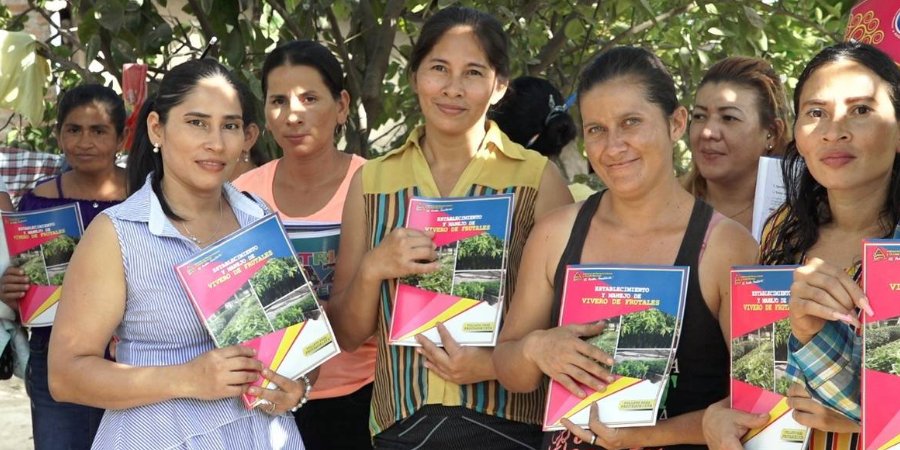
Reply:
x=169, y=388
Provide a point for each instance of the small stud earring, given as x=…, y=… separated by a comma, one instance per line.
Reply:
x=156, y=147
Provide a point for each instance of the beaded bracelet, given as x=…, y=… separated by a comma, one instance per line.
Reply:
x=307, y=390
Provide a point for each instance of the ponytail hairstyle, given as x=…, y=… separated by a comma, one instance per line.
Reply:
x=533, y=114
x=176, y=85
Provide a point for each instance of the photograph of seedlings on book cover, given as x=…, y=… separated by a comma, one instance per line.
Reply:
x=270, y=300
x=470, y=268
x=640, y=344
x=759, y=358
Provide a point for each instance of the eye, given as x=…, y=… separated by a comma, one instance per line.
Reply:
x=862, y=109
x=278, y=101
x=197, y=123
x=594, y=130
x=728, y=118
x=698, y=117
x=310, y=99
x=815, y=113
x=474, y=73
x=439, y=68
x=232, y=126
x=631, y=121
x=99, y=131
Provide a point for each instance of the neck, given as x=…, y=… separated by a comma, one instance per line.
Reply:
x=103, y=185
x=191, y=204
x=450, y=150
x=311, y=170
x=858, y=212
x=731, y=199
x=642, y=212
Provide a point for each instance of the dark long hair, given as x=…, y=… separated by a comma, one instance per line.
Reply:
x=175, y=86
x=305, y=53
x=795, y=225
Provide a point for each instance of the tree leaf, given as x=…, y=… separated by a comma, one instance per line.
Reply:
x=754, y=18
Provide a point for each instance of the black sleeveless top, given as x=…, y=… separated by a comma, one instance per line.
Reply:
x=700, y=375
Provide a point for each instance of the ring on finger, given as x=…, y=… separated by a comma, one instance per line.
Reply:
x=271, y=408
x=593, y=438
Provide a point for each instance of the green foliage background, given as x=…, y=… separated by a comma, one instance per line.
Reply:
x=883, y=349
x=640, y=368
x=295, y=314
x=279, y=277
x=59, y=250
x=235, y=325
x=755, y=367
x=647, y=329
x=484, y=251
x=477, y=290
x=549, y=38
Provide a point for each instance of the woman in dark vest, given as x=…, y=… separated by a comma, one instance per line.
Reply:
x=631, y=121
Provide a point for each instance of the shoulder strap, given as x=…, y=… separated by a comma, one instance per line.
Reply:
x=572, y=252
x=692, y=242
x=59, y=190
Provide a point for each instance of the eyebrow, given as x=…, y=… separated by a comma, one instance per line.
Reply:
x=207, y=116
x=475, y=64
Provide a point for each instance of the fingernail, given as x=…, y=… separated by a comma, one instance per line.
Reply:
x=866, y=306
x=842, y=317
x=253, y=391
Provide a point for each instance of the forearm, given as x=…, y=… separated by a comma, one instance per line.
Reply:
x=829, y=365
x=514, y=370
x=683, y=429
x=354, y=312
x=94, y=381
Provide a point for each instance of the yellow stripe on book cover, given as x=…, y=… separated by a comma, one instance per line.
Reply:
x=616, y=386
x=780, y=409
x=458, y=308
x=48, y=303
x=287, y=342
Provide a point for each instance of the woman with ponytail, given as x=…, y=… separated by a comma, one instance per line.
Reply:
x=170, y=387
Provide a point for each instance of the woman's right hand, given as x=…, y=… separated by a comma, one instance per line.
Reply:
x=564, y=356
x=403, y=252
x=13, y=285
x=221, y=373
x=821, y=292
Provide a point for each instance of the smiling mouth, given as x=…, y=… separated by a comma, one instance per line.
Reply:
x=451, y=109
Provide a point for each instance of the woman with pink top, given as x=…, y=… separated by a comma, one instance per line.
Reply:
x=305, y=108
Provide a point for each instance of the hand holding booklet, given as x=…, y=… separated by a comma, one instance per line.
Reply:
x=41, y=242
x=466, y=294
x=248, y=289
x=643, y=308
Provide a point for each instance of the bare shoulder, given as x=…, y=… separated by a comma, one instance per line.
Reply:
x=730, y=243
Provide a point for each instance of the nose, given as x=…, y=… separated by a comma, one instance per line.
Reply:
x=216, y=139
x=710, y=130
x=453, y=86
x=295, y=108
x=835, y=129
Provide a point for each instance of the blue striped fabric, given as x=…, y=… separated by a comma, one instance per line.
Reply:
x=160, y=327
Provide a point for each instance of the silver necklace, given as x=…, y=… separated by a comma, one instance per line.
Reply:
x=193, y=237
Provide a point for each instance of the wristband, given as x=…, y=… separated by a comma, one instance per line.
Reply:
x=305, y=398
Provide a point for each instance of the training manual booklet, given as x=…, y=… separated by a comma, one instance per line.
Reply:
x=760, y=329
x=643, y=308
x=41, y=243
x=466, y=294
x=881, y=352
x=248, y=289
x=316, y=247
x=769, y=193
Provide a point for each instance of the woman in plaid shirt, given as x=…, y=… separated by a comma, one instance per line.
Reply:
x=842, y=178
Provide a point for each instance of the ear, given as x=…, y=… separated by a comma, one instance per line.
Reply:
x=678, y=123
x=56, y=134
x=778, y=130
x=413, y=83
x=343, y=107
x=499, y=90
x=251, y=134
x=155, y=129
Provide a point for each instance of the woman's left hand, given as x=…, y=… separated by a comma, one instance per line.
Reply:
x=603, y=436
x=286, y=394
x=455, y=363
x=809, y=412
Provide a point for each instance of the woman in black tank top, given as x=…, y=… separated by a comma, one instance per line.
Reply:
x=631, y=121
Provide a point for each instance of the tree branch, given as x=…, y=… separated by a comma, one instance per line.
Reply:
x=289, y=21
x=550, y=52
x=205, y=26
x=44, y=50
x=352, y=77
x=781, y=10
x=647, y=24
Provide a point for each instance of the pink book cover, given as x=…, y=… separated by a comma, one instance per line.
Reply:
x=643, y=308
x=759, y=347
x=41, y=242
x=877, y=23
x=881, y=352
x=466, y=294
x=249, y=289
